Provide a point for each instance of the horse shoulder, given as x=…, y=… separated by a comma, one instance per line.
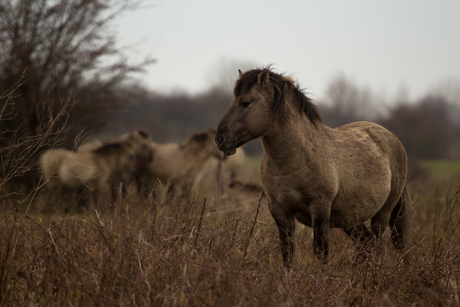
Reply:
x=195, y=155
x=300, y=186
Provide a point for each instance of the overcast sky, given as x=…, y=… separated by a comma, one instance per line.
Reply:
x=383, y=45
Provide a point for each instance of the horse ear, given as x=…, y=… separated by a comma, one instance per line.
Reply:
x=200, y=137
x=144, y=133
x=240, y=73
x=263, y=78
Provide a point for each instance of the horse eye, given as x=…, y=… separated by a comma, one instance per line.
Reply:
x=244, y=103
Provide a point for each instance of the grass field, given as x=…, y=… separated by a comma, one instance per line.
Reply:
x=441, y=167
x=223, y=251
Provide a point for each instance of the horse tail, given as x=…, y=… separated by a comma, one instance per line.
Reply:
x=398, y=221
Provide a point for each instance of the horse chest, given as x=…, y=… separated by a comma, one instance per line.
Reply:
x=282, y=190
x=293, y=188
x=288, y=196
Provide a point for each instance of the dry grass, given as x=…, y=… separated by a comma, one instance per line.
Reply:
x=218, y=253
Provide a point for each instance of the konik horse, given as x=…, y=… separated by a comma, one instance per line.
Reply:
x=320, y=176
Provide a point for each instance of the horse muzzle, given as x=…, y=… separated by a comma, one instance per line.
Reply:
x=228, y=147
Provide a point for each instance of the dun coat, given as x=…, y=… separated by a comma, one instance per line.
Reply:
x=320, y=176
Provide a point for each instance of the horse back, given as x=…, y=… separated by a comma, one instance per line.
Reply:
x=373, y=141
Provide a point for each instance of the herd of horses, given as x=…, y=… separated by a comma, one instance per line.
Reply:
x=132, y=159
x=323, y=178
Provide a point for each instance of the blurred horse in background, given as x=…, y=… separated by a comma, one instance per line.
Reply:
x=176, y=165
x=89, y=146
x=106, y=166
x=97, y=165
x=218, y=174
x=140, y=140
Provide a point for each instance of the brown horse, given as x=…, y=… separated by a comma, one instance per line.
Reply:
x=139, y=140
x=320, y=176
x=176, y=165
x=104, y=166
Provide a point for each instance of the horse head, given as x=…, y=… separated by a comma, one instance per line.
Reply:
x=120, y=155
x=255, y=100
x=203, y=142
x=141, y=141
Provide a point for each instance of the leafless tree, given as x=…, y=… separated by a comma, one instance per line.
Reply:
x=425, y=128
x=345, y=102
x=59, y=51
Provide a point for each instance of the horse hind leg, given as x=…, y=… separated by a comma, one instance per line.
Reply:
x=394, y=216
x=398, y=221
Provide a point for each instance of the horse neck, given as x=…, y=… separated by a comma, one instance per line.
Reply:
x=291, y=134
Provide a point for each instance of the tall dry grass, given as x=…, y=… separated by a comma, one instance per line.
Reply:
x=220, y=252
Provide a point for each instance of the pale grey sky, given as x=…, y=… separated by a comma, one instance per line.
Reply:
x=382, y=45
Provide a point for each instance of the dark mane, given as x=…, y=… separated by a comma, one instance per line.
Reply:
x=307, y=106
x=280, y=84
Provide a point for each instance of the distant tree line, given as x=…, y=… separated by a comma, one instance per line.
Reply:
x=62, y=80
x=429, y=127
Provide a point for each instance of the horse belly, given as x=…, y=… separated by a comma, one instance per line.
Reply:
x=358, y=205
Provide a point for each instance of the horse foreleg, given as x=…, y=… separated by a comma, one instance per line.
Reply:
x=286, y=228
x=320, y=222
x=170, y=192
x=320, y=244
x=118, y=193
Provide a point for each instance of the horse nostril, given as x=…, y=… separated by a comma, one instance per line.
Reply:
x=220, y=140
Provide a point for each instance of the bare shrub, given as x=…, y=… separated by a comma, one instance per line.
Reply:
x=19, y=152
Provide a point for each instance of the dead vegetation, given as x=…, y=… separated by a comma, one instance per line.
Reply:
x=207, y=252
